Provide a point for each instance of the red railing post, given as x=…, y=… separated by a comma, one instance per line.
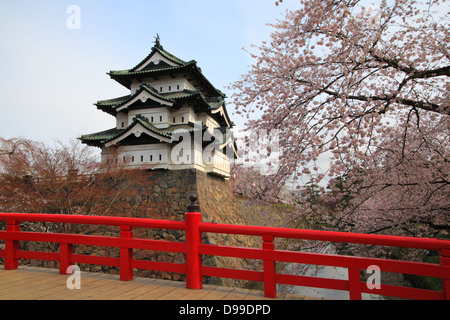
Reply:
x=270, y=286
x=65, y=257
x=193, y=218
x=445, y=262
x=12, y=246
x=354, y=280
x=126, y=254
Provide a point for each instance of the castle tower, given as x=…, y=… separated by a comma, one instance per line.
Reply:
x=173, y=118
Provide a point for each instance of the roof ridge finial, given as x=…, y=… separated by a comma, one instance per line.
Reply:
x=158, y=42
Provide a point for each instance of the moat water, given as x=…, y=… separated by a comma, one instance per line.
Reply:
x=321, y=272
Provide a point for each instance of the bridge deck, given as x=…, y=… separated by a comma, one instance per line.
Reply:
x=47, y=284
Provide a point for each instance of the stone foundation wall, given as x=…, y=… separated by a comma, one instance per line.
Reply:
x=218, y=205
x=165, y=195
x=169, y=198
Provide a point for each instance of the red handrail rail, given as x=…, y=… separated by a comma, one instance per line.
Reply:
x=94, y=220
x=331, y=236
x=194, y=249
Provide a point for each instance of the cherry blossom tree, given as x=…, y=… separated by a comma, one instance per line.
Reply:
x=64, y=179
x=402, y=189
x=367, y=89
x=251, y=184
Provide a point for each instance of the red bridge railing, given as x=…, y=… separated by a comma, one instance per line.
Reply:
x=194, y=249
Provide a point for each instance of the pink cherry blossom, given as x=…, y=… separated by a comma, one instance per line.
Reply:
x=369, y=89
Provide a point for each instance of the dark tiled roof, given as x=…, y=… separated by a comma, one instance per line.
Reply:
x=153, y=71
x=125, y=77
x=113, y=102
x=98, y=139
x=117, y=102
x=165, y=54
x=101, y=138
x=111, y=105
x=103, y=135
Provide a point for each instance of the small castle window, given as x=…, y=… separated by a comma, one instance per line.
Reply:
x=151, y=119
x=160, y=118
x=178, y=87
x=182, y=119
x=123, y=124
x=132, y=159
x=160, y=89
x=142, y=158
x=160, y=157
x=151, y=158
x=173, y=120
x=170, y=88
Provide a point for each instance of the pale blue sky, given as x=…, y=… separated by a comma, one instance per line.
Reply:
x=51, y=75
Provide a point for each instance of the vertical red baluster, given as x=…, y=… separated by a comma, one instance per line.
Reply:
x=354, y=278
x=445, y=262
x=126, y=255
x=193, y=218
x=12, y=246
x=270, y=286
x=65, y=257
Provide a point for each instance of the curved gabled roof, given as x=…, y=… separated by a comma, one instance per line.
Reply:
x=113, y=106
x=113, y=136
x=159, y=49
x=174, y=65
x=98, y=139
x=215, y=105
x=139, y=123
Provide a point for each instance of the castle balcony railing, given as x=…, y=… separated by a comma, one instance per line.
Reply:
x=194, y=249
